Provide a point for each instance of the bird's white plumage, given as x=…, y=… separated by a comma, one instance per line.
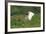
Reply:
x=30, y=14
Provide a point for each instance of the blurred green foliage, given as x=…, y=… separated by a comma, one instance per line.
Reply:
x=18, y=22
x=24, y=9
x=35, y=22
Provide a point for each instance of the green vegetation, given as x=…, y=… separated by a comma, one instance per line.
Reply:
x=16, y=10
x=17, y=17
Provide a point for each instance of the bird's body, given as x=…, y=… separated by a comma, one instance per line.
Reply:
x=30, y=14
